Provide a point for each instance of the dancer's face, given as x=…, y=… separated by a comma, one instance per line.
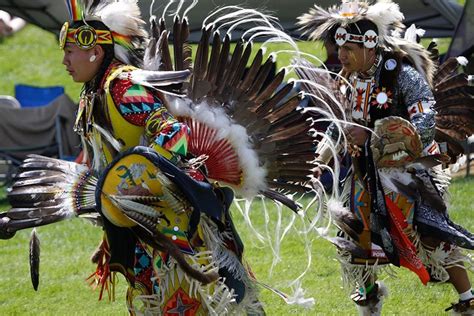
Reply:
x=354, y=57
x=80, y=64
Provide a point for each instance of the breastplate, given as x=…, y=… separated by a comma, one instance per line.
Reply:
x=360, y=99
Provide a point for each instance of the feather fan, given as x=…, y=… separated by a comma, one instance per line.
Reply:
x=48, y=190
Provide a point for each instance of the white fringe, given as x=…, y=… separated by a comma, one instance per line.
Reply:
x=357, y=275
x=222, y=256
x=441, y=178
x=298, y=297
x=438, y=259
x=245, y=211
x=274, y=236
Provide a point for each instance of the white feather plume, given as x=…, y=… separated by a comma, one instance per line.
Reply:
x=121, y=54
x=387, y=16
x=156, y=78
x=122, y=16
x=462, y=60
x=412, y=32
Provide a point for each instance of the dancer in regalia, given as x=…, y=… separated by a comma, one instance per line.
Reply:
x=398, y=106
x=167, y=142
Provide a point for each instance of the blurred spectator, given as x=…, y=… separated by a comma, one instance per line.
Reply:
x=10, y=24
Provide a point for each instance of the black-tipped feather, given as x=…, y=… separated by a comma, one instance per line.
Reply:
x=445, y=70
x=277, y=196
x=34, y=259
x=213, y=59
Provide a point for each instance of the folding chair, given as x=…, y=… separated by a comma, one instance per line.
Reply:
x=9, y=101
x=46, y=130
x=30, y=96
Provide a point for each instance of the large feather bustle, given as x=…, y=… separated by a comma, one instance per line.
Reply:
x=238, y=95
x=221, y=82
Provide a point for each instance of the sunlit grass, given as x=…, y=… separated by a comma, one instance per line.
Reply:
x=67, y=246
x=32, y=57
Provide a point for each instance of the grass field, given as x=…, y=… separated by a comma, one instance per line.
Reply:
x=66, y=247
x=31, y=56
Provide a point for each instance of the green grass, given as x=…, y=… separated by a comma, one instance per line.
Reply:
x=32, y=57
x=67, y=246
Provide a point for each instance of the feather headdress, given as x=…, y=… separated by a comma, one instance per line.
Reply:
x=123, y=23
x=384, y=14
x=319, y=23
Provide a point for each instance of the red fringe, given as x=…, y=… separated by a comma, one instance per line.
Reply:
x=407, y=251
x=102, y=277
x=223, y=162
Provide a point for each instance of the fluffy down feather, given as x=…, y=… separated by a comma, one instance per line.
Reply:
x=345, y=219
